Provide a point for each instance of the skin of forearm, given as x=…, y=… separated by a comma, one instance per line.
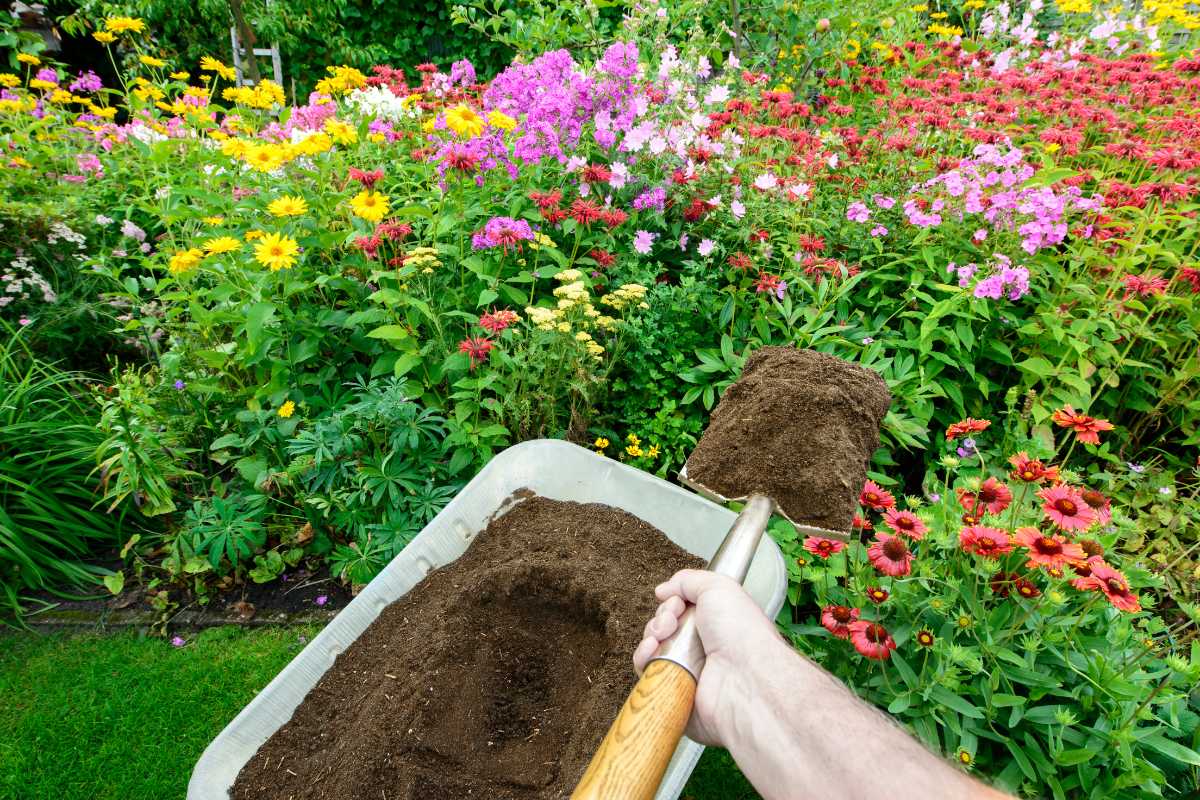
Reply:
x=797, y=732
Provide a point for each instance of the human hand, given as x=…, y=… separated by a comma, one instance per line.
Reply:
x=738, y=641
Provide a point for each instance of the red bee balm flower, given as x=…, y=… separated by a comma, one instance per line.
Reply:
x=367, y=179
x=477, y=347
x=837, y=619
x=1109, y=581
x=966, y=426
x=872, y=640
x=1086, y=428
x=890, y=555
x=496, y=321
x=992, y=497
x=905, y=523
x=820, y=546
x=1047, y=550
x=984, y=541
x=1066, y=508
x=873, y=496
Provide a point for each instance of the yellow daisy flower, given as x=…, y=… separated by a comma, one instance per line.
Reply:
x=464, y=121
x=498, y=119
x=276, y=252
x=29, y=58
x=212, y=220
x=288, y=206
x=341, y=132
x=253, y=235
x=104, y=37
x=180, y=75
x=151, y=61
x=221, y=244
x=287, y=409
x=183, y=260
x=8, y=80
x=123, y=24
x=264, y=157
x=371, y=206
x=210, y=64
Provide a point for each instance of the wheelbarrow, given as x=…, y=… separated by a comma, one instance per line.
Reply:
x=550, y=468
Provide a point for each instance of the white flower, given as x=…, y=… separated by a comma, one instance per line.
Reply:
x=717, y=94
x=766, y=182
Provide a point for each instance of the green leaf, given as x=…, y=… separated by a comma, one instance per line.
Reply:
x=1070, y=758
x=391, y=333
x=1171, y=749
x=947, y=698
x=901, y=703
x=1022, y=760
x=486, y=296
x=115, y=582
x=1005, y=700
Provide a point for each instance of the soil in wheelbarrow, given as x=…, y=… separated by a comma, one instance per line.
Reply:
x=799, y=426
x=495, y=677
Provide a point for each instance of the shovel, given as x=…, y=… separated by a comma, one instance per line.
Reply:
x=632, y=758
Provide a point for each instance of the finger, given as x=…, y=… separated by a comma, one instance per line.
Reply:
x=688, y=584
x=643, y=654
x=662, y=624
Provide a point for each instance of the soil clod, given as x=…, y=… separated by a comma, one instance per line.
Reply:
x=495, y=677
x=798, y=426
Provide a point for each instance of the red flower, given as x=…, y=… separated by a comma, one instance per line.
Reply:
x=1085, y=427
x=861, y=523
x=1098, y=503
x=966, y=426
x=477, y=347
x=585, y=212
x=596, y=173
x=613, y=217
x=1047, y=550
x=1065, y=508
x=873, y=496
x=1192, y=276
x=872, y=640
x=906, y=523
x=458, y=158
x=890, y=555
x=1026, y=588
x=984, y=541
x=877, y=595
x=496, y=321
x=367, y=179
x=545, y=200
x=1027, y=469
x=740, y=261
x=837, y=619
x=1148, y=285
x=603, y=258
x=993, y=497
x=820, y=546
x=1110, y=581
x=925, y=638
x=1002, y=582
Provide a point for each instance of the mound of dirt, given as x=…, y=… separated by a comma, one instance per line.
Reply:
x=799, y=426
x=495, y=677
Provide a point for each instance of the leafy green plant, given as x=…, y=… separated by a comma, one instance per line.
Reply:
x=49, y=523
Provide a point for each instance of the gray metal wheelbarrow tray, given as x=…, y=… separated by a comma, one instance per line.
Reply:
x=549, y=468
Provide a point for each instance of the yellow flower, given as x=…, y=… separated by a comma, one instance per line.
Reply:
x=1052, y=147
x=217, y=220
x=633, y=439
x=287, y=206
x=151, y=61
x=107, y=112
x=965, y=758
x=498, y=119
x=371, y=206
x=264, y=157
x=276, y=252
x=653, y=451
x=287, y=409
x=221, y=244
x=964, y=621
x=104, y=37
x=123, y=24
x=410, y=100
x=939, y=15
x=180, y=75
x=313, y=145
x=210, y=64
x=252, y=235
x=600, y=443
x=341, y=80
x=29, y=58
x=17, y=161
x=342, y=133
x=918, y=9
x=41, y=85
x=183, y=260
x=9, y=80
x=633, y=450
x=464, y=121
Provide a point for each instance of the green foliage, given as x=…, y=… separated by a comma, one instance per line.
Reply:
x=49, y=525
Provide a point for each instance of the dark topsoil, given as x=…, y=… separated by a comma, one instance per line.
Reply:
x=495, y=677
x=799, y=426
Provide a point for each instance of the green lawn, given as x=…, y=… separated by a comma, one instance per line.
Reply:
x=123, y=717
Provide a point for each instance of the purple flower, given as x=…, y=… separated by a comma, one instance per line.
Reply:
x=737, y=209
x=883, y=201
x=48, y=75
x=643, y=241
x=178, y=641
x=980, y=235
x=87, y=82
x=858, y=212
x=879, y=230
x=1137, y=469
x=655, y=198
x=503, y=232
x=706, y=247
x=462, y=73
x=180, y=385
x=321, y=599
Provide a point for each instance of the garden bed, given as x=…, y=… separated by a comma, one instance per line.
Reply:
x=495, y=677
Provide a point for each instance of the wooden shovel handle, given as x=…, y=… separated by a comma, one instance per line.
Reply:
x=634, y=754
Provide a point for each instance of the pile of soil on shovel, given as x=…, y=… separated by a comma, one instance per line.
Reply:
x=799, y=426
x=496, y=677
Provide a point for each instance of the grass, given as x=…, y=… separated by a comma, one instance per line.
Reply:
x=124, y=717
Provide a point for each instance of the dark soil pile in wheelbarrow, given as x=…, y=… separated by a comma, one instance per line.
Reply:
x=799, y=426
x=496, y=677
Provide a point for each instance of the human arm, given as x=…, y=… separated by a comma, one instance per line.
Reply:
x=794, y=729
